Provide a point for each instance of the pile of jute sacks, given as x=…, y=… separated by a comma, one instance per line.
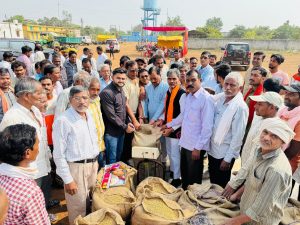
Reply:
x=155, y=201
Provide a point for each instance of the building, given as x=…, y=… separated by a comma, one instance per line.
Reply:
x=11, y=30
x=33, y=31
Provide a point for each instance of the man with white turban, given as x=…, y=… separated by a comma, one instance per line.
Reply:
x=269, y=179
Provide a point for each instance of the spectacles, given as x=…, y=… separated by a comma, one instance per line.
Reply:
x=133, y=71
x=145, y=76
x=203, y=57
x=84, y=98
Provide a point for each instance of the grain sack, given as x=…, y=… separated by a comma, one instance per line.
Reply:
x=156, y=185
x=147, y=136
x=100, y=217
x=153, y=208
x=212, y=207
x=120, y=199
x=130, y=173
x=291, y=213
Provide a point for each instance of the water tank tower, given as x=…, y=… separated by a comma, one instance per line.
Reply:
x=151, y=11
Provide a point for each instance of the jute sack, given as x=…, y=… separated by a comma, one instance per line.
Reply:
x=211, y=205
x=291, y=213
x=120, y=199
x=130, y=173
x=100, y=217
x=154, y=184
x=147, y=136
x=155, y=209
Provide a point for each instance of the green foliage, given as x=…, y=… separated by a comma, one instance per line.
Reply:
x=208, y=32
x=174, y=22
x=287, y=31
x=214, y=22
x=237, y=32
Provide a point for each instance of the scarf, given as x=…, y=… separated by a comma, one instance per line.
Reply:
x=226, y=119
x=4, y=102
x=17, y=171
x=171, y=102
x=296, y=77
x=251, y=105
x=292, y=117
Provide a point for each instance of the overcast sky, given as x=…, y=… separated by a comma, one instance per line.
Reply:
x=127, y=13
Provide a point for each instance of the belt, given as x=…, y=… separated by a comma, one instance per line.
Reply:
x=87, y=160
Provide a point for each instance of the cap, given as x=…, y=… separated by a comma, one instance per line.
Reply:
x=271, y=97
x=295, y=87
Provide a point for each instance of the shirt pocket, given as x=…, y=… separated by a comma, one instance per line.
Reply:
x=194, y=113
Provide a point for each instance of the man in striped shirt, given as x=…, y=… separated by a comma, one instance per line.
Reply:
x=269, y=179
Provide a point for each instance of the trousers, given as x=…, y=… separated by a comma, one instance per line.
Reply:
x=173, y=151
x=191, y=170
x=84, y=175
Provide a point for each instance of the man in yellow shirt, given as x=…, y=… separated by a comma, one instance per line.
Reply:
x=95, y=110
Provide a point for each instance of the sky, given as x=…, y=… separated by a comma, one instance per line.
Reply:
x=125, y=14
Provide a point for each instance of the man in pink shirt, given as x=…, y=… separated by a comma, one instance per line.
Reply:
x=25, y=58
x=275, y=61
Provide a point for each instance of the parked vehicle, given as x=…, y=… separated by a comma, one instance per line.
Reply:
x=86, y=40
x=237, y=54
x=14, y=45
x=116, y=45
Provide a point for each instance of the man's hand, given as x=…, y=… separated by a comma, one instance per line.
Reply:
x=136, y=125
x=224, y=166
x=158, y=123
x=228, y=191
x=195, y=154
x=167, y=132
x=151, y=122
x=71, y=188
x=130, y=128
x=141, y=120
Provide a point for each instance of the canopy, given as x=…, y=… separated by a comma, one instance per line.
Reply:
x=167, y=29
x=169, y=41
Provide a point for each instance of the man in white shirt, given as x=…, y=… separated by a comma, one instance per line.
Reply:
x=87, y=66
x=101, y=56
x=231, y=116
x=85, y=53
x=29, y=93
x=76, y=150
x=6, y=62
x=198, y=117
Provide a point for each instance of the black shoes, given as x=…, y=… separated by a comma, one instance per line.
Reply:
x=176, y=182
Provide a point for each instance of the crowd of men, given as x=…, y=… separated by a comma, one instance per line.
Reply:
x=76, y=114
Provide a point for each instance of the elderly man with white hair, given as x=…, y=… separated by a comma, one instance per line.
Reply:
x=105, y=76
x=231, y=115
x=269, y=180
x=81, y=78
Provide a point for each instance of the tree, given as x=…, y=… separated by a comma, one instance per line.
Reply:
x=174, y=22
x=237, y=32
x=137, y=28
x=215, y=23
x=209, y=32
x=287, y=31
x=20, y=18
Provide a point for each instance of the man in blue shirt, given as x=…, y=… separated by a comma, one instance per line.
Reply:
x=207, y=72
x=156, y=94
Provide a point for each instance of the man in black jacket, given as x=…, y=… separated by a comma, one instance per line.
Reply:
x=113, y=105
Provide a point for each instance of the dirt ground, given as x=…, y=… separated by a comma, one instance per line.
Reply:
x=292, y=60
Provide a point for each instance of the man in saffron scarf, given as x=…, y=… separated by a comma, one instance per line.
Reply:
x=231, y=115
x=258, y=75
x=174, y=104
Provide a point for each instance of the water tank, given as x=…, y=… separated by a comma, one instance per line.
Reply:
x=150, y=4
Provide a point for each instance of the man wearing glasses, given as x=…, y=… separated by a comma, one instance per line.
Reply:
x=76, y=150
x=207, y=72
